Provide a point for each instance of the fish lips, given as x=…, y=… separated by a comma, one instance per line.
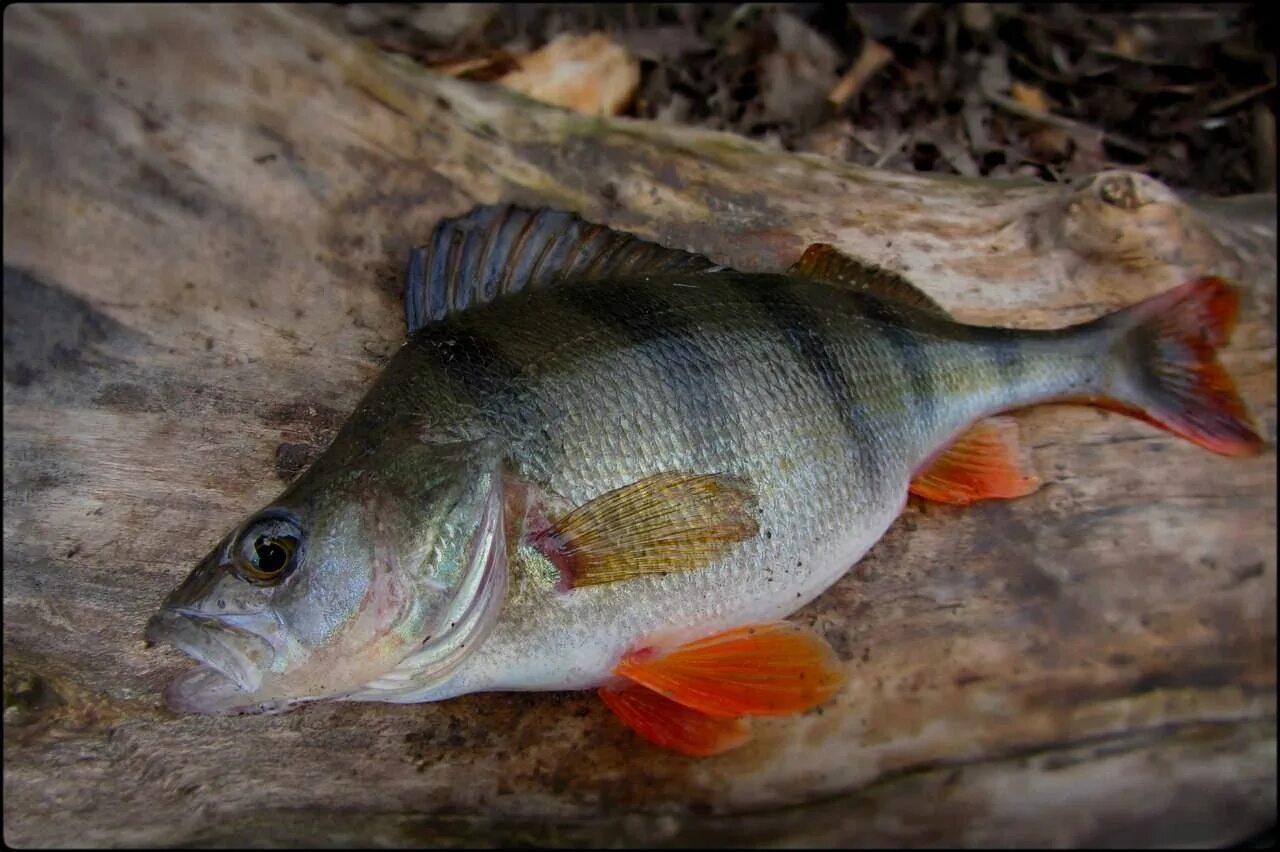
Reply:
x=233, y=659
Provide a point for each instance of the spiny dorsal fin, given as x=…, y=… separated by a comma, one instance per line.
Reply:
x=666, y=522
x=822, y=262
x=495, y=250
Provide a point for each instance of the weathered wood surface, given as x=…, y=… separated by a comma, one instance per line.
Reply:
x=206, y=213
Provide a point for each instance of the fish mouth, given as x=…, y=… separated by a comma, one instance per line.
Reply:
x=232, y=659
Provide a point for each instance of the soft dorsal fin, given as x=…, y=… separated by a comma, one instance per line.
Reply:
x=495, y=250
x=822, y=262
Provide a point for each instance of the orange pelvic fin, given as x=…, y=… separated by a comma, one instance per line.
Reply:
x=986, y=462
x=673, y=726
x=775, y=669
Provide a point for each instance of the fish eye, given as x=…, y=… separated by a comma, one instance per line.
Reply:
x=267, y=550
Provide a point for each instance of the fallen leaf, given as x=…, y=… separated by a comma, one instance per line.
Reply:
x=1030, y=97
x=798, y=75
x=588, y=74
x=675, y=110
x=662, y=43
x=956, y=154
x=977, y=17
x=833, y=139
x=363, y=17
x=448, y=23
x=889, y=20
x=1126, y=44
x=1051, y=144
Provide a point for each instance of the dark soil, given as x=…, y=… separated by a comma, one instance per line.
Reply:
x=1182, y=92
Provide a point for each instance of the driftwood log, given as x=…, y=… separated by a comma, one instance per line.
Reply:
x=206, y=216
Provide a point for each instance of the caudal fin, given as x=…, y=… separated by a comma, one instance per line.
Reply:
x=1170, y=375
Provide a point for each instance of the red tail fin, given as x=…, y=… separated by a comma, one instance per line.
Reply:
x=1171, y=377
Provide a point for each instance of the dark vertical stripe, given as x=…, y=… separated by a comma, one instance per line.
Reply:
x=800, y=326
x=475, y=366
x=909, y=353
x=669, y=339
x=1006, y=353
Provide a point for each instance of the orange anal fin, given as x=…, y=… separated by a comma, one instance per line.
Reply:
x=776, y=669
x=673, y=726
x=986, y=462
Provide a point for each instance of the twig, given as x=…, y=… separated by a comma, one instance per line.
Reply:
x=1010, y=105
x=871, y=59
x=890, y=150
x=1231, y=102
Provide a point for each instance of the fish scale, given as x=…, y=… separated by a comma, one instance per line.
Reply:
x=601, y=463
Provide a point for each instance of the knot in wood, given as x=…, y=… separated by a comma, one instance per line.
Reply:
x=1136, y=221
x=1130, y=190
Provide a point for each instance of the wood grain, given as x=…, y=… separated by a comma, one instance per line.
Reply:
x=207, y=211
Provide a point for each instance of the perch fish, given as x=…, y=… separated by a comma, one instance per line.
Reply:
x=598, y=463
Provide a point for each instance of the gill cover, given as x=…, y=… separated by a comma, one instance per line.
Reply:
x=468, y=618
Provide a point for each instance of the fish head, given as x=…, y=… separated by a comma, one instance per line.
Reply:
x=333, y=585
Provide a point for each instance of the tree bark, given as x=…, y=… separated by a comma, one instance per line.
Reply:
x=207, y=214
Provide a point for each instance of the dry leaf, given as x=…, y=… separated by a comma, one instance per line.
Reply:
x=833, y=139
x=444, y=24
x=1050, y=144
x=796, y=78
x=1030, y=97
x=662, y=43
x=588, y=74
x=977, y=17
x=1133, y=42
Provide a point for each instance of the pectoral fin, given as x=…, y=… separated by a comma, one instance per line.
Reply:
x=666, y=522
x=987, y=461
